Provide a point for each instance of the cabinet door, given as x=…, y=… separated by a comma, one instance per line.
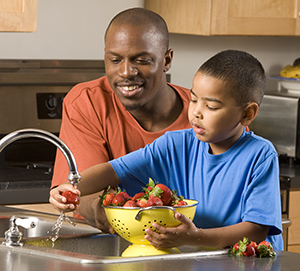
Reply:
x=294, y=216
x=183, y=16
x=18, y=15
x=255, y=17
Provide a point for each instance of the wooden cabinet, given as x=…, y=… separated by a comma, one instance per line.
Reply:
x=255, y=17
x=229, y=17
x=294, y=216
x=184, y=16
x=18, y=15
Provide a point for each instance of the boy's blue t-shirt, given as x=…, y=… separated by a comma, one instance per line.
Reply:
x=241, y=184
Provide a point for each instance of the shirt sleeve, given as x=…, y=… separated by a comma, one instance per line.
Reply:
x=260, y=202
x=135, y=168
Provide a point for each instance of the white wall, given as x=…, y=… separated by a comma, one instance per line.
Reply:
x=74, y=29
x=190, y=51
x=67, y=29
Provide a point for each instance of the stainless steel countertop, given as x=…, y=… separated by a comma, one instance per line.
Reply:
x=13, y=260
x=285, y=261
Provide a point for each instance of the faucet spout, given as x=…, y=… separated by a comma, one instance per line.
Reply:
x=73, y=177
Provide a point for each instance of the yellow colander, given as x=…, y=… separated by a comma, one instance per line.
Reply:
x=130, y=223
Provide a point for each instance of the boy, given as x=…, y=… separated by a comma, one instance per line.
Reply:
x=233, y=174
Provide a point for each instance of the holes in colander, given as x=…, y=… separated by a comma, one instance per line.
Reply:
x=120, y=228
x=149, y=226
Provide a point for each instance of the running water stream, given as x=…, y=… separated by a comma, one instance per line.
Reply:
x=58, y=225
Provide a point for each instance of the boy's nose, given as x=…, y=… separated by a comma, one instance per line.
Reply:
x=197, y=113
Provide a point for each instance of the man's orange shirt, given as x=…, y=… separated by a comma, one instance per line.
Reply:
x=97, y=128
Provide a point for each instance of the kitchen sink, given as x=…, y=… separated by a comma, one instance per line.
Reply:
x=82, y=243
x=44, y=225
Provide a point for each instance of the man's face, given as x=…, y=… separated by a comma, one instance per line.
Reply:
x=135, y=63
x=213, y=113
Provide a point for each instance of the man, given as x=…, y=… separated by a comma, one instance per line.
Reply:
x=125, y=110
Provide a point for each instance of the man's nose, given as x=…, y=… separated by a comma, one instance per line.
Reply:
x=128, y=69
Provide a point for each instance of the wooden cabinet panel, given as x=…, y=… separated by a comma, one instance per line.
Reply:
x=184, y=16
x=294, y=216
x=18, y=15
x=294, y=248
x=230, y=17
x=255, y=17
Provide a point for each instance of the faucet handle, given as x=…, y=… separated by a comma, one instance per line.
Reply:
x=13, y=236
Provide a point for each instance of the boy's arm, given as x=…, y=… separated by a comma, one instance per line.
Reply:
x=94, y=179
x=97, y=178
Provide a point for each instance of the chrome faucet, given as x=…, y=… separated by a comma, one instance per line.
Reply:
x=13, y=236
x=73, y=177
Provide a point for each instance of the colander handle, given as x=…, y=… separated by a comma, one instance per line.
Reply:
x=139, y=213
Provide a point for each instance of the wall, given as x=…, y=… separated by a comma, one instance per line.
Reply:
x=74, y=29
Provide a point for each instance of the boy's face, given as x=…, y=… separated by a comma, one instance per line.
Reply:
x=213, y=113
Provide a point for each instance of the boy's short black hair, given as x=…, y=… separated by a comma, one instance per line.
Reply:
x=242, y=73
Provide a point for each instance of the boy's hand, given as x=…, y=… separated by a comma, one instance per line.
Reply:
x=184, y=234
x=58, y=201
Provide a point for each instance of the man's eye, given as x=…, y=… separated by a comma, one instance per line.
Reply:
x=115, y=61
x=143, y=60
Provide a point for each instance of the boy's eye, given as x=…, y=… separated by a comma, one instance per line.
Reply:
x=212, y=108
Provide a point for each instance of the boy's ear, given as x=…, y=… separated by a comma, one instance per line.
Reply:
x=250, y=114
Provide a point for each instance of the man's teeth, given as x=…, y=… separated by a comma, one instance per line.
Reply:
x=130, y=88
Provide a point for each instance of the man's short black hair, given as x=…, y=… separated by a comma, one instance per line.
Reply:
x=142, y=16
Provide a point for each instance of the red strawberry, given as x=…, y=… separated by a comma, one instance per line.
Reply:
x=166, y=194
x=138, y=196
x=180, y=203
x=264, y=249
x=118, y=200
x=107, y=199
x=154, y=201
x=130, y=203
x=250, y=251
x=71, y=197
x=142, y=202
x=127, y=197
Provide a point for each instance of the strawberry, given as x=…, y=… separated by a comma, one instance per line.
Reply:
x=250, y=251
x=175, y=198
x=154, y=201
x=166, y=195
x=142, y=202
x=180, y=203
x=118, y=200
x=264, y=249
x=138, y=196
x=127, y=197
x=107, y=199
x=254, y=244
x=71, y=197
x=130, y=203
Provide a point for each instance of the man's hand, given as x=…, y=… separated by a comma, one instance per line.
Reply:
x=58, y=201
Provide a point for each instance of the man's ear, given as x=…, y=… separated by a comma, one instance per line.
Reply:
x=168, y=59
x=250, y=114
